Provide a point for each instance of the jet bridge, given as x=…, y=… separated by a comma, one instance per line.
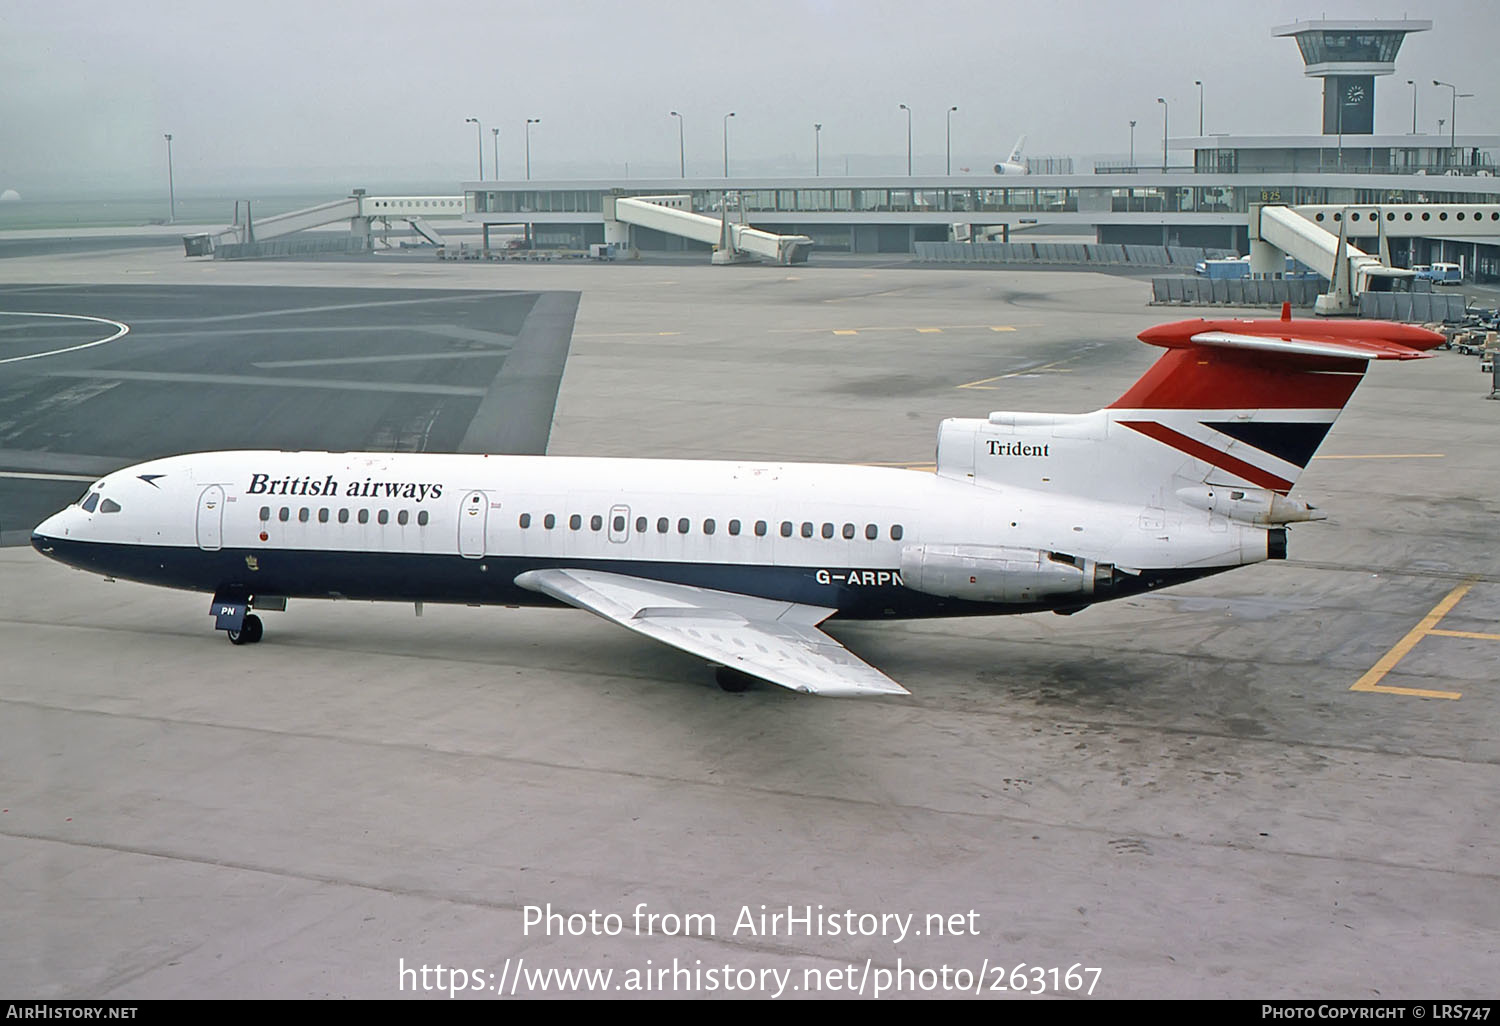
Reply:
x=1318, y=235
x=358, y=210
x=1279, y=231
x=674, y=215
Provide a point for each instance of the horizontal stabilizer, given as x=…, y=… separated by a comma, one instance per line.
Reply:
x=1348, y=348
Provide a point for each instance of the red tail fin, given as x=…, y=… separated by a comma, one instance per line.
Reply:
x=1267, y=364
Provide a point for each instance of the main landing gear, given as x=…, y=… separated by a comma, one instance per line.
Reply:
x=732, y=680
x=251, y=630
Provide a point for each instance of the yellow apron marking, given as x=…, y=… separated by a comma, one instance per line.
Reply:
x=1371, y=680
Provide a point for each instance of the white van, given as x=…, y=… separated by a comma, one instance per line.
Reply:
x=1446, y=274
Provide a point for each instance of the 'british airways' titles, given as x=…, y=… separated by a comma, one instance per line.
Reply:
x=369, y=488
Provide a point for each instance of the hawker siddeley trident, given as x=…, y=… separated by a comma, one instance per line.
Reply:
x=1186, y=475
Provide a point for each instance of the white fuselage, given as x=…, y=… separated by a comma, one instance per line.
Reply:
x=439, y=527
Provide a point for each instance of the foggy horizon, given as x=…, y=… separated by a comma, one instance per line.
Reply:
x=342, y=95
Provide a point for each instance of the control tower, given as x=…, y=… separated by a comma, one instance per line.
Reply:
x=1347, y=55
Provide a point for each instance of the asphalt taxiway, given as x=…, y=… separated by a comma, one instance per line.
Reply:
x=1278, y=782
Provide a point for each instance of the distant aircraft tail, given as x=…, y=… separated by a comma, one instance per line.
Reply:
x=1015, y=154
x=1225, y=420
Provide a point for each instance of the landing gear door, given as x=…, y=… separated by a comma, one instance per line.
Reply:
x=211, y=519
x=472, y=516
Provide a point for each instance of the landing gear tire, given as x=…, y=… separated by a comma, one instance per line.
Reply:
x=251, y=631
x=732, y=681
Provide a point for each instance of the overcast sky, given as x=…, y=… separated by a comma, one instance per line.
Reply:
x=376, y=92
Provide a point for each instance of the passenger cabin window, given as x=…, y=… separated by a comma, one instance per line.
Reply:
x=872, y=532
x=619, y=524
x=708, y=526
x=384, y=516
x=525, y=520
x=640, y=525
x=807, y=529
x=284, y=514
x=575, y=522
x=734, y=527
x=344, y=515
x=760, y=529
x=364, y=516
x=403, y=517
x=303, y=514
x=549, y=521
x=323, y=515
x=109, y=506
x=661, y=525
x=422, y=518
x=265, y=513
x=786, y=528
x=848, y=530
x=827, y=530
x=683, y=525
x=896, y=532
x=596, y=522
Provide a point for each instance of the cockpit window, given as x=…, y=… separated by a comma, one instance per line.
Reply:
x=89, y=503
x=109, y=506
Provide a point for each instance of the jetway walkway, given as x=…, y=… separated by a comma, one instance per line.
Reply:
x=1317, y=235
x=359, y=211
x=674, y=216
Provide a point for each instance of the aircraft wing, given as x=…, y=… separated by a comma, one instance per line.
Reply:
x=775, y=641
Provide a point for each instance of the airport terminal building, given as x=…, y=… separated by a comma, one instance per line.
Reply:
x=1146, y=201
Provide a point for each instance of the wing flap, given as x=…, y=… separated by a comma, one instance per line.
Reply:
x=776, y=641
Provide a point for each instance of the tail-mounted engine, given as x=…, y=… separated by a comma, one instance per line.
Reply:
x=999, y=573
x=1249, y=505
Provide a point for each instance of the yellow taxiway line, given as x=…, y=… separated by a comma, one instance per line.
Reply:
x=1428, y=624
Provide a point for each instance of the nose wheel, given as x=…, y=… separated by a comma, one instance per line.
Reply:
x=251, y=631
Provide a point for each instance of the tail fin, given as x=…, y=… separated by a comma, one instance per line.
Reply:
x=1015, y=154
x=1250, y=401
x=1235, y=404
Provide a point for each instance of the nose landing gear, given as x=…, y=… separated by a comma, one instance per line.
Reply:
x=232, y=615
x=251, y=630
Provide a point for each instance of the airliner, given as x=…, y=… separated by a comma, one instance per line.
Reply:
x=738, y=562
x=1013, y=164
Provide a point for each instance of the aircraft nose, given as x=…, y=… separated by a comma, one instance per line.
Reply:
x=43, y=535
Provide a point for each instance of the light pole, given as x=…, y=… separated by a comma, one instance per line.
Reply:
x=496, y=165
x=817, y=148
x=1132, y=145
x=726, y=142
x=1199, y=84
x=908, y=138
x=171, y=187
x=480, y=130
x=681, y=153
x=1452, y=112
x=1413, y=84
x=950, y=139
x=1165, y=110
x=529, y=123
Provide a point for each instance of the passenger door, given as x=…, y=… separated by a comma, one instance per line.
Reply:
x=211, y=519
x=473, y=514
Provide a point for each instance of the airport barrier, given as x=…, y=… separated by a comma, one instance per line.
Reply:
x=291, y=246
x=1237, y=291
x=1087, y=253
x=1412, y=306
